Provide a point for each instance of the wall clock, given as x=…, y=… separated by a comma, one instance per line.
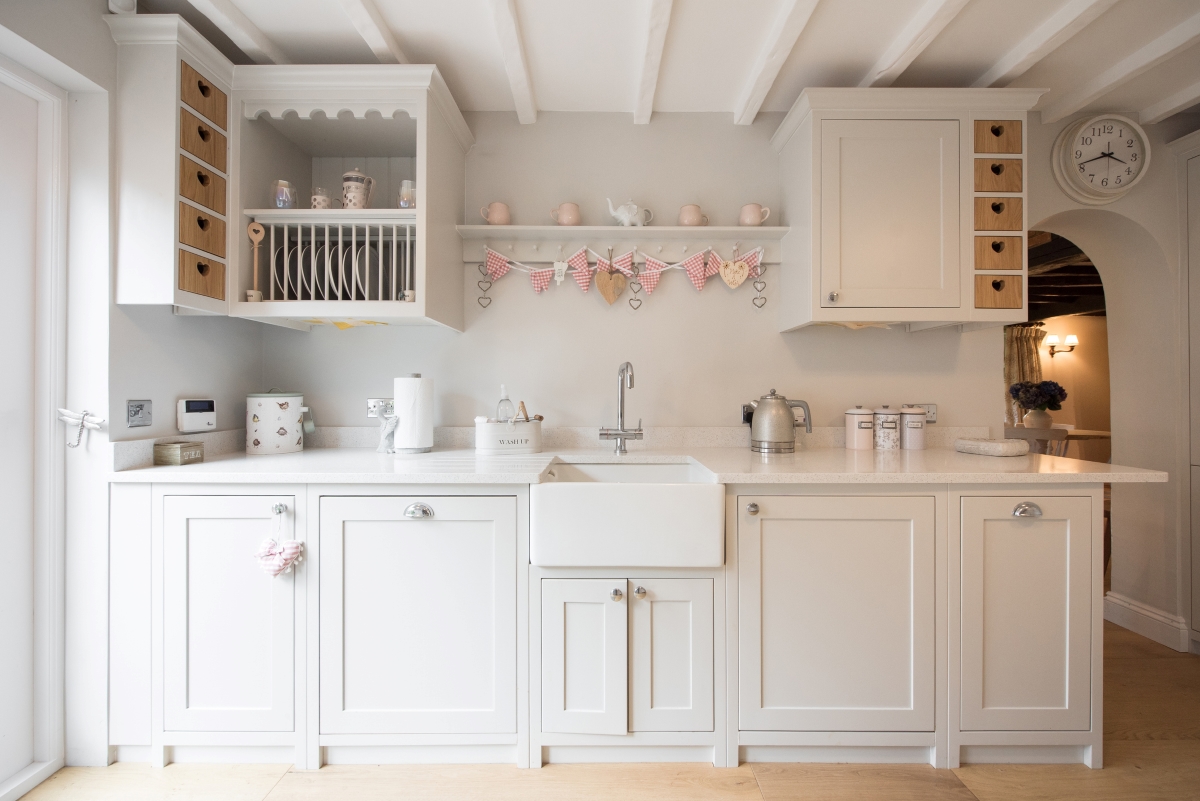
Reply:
x=1098, y=159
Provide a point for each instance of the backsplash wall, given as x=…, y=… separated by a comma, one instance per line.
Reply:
x=697, y=356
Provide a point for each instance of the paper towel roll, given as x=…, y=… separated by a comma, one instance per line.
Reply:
x=413, y=401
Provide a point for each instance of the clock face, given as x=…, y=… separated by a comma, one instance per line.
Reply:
x=1106, y=155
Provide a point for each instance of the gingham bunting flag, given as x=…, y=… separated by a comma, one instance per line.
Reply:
x=693, y=265
x=541, y=279
x=649, y=276
x=496, y=264
x=603, y=265
x=752, y=260
x=714, y=264
x=624, y=263
x=580, y=270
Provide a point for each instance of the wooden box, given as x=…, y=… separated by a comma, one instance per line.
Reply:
x=178, y=453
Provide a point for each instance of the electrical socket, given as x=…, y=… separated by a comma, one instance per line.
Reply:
x=930, y=410
x=138, y=413
x=375, y=404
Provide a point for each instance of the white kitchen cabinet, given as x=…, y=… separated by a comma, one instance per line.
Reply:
x=837, y=622
x=1026, y=614
x=904, y=206
x=624, y=656
x=418, y=615
x=228, y=627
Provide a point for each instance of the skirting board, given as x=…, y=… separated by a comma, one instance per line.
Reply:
x=1155, y=624
x=27, y=778
x=866, y=754
x=635, y=753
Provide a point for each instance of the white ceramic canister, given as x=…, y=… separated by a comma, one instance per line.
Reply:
x=912, y=428
x=887, y=429
x=275, y=422
x=860, y=429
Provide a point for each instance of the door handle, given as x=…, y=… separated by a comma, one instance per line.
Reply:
x=1027, y=509
x=418, y=511
x=616, y=595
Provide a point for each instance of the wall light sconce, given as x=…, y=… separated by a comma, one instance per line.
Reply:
x=1067, y=347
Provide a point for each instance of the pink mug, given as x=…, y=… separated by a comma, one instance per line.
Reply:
x=566, y=214
x=495, y=214
x=753, y=214
x=691, y=215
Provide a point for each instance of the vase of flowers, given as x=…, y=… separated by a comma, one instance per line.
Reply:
x=1036, y=398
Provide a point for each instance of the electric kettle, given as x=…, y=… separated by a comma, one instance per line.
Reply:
x=773, y=423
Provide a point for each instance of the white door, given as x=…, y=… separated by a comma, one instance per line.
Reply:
x=890, y=210
x=228, y=627
x=836, y=598
x=584, y=649
x=670, y=655
x=1026, y=615
x=18, y=269
x=418, y=615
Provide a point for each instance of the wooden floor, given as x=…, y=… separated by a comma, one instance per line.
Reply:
x=1151, y=751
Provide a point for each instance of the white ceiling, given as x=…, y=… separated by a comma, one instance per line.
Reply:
x=1135, y=56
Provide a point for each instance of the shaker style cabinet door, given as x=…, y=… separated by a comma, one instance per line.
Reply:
x=1026, y=614
x=889, y=213
x=418, y=615
x=228, y=627
x=671, y=655
x=584, y=644
x=836, y=598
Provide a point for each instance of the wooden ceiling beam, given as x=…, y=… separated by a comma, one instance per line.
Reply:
x=369, y=23
x=1146, y=57
x=1169, y=106
x=782, y=36
x=241, y=31
x=656, y=39
x=1069, y=20
x=512, y=48
x=918, y=34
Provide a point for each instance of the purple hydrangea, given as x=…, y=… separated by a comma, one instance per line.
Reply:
x=1040, y=395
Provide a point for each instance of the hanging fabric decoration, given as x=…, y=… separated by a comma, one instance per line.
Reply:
x=693, y=265
x=497, y=265
x=650, y=275
x=714, y=264
x=603, y=265
x=580, y=269
x=541, y=279
x=753, y=260
x=624, y=264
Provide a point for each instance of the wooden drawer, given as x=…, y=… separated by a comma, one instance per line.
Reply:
x=998, y=175
x=997, y=291
x=998, y=214
x=998, y=252
x=199, y=93
x=201, y=275
x=201, y=140
x=997, y=136
x=201, y=230
x=201, y=185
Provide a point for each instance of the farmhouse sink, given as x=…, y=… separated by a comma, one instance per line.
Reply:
x=627, y=515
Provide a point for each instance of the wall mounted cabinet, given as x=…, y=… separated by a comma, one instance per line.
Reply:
x=889, y=203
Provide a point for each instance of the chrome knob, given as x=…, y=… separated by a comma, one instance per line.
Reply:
x=617, y=595
x=833, y=297
x=1027, y=509
x=418, y=511
x=752, y=508
x=278, y=509
x=640, y=592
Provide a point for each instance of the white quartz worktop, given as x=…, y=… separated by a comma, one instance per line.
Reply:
x=727, y=466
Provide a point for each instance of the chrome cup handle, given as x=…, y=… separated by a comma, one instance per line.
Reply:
x=1027, y=509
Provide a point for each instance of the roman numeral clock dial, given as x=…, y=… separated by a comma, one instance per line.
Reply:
x=1098, y=160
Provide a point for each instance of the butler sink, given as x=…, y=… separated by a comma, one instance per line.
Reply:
x=627, y=515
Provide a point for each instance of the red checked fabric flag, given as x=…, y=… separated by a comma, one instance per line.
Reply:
x=752, y=260
x=714, y=264
x=496, y=265
x=541, y=279
x=580, y=269
x=649, y=276
x=603, y=264
x=693, y=265
x=624, y=263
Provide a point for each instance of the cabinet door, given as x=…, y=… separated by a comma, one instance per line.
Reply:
x=836, y=598
x=584, y=677
x=228, y=642
x=889, y=213
x=418, y=615
x=1026, y=606
x=671, y=655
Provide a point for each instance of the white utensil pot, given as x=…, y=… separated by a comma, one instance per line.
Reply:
x=275, y=422
x=912, y=429
x=860, y=429
x=887, y=429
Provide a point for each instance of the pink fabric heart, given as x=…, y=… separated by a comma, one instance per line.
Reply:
x=275, y=558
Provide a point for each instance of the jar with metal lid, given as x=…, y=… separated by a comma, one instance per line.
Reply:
x=887, y=429
x=860, y=429
x=912, y=428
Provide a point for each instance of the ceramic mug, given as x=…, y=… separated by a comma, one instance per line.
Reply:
x=566, y=214
x=495, y=214
x=691, y=215
x=753, y=214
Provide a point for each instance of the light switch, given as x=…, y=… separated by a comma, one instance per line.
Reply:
x=138, y=413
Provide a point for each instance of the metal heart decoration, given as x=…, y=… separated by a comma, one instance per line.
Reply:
x=485, y=301
x=635, y=303
x=484, y=286
x=760, y=301
x=759, y=286
x=635, y=287
x=734, y=273
x=483, y=269
x=611, y=285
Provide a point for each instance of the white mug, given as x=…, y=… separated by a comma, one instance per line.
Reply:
x=691, y=215
x=753, y=214
x=566, y=214
x=321, y=199
x=495, y=214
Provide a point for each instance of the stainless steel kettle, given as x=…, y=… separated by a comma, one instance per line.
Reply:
x=773, y=423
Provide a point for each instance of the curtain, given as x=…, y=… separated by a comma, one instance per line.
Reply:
x=1021, y=362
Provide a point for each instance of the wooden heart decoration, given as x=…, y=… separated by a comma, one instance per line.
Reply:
x=635, y=303
x=485, y=302
x=484, y=285
x=611, y=285
x=759, y=286
x=760, y=302
x=734, y=273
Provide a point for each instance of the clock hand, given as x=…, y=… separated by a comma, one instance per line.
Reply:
x=1114, y=158
x=1102, y=155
